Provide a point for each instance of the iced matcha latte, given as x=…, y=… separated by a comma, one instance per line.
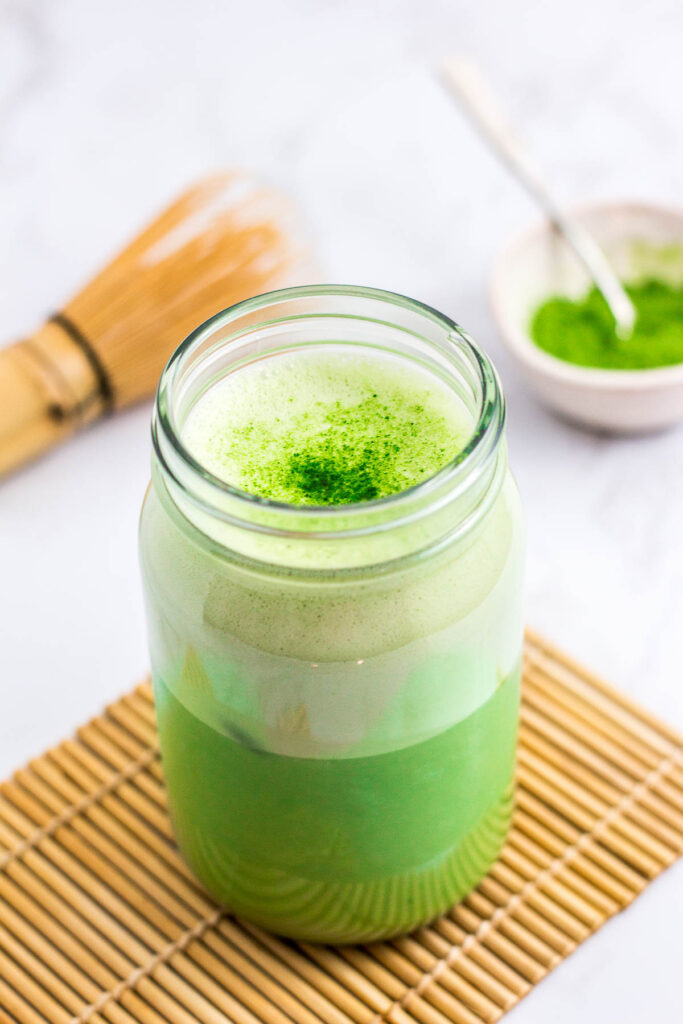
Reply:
x=331, y=550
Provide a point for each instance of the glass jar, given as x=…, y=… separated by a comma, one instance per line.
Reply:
x=336, y=688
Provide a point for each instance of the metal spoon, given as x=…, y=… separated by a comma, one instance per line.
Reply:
x=465, y=81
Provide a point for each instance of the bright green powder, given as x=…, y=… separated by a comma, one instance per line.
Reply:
x=327, y=428
x=582, y=331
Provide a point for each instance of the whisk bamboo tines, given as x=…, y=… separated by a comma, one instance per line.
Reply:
x=225, y=239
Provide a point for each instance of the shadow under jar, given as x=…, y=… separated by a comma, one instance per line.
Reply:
x=336, y=687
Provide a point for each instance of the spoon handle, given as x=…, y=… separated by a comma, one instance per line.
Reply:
x=466, y=82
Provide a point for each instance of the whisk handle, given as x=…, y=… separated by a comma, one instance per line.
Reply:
x=48, y=390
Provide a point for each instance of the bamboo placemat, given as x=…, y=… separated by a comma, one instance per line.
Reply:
x=100, y=919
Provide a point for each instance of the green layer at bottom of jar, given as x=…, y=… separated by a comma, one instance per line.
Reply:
x=342, y=849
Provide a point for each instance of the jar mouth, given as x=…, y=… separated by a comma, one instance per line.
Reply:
x=166, y=430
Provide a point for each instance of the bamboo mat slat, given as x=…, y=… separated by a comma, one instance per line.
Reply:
x=102, y=921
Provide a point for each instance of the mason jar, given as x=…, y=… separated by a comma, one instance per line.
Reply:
x=336, y=687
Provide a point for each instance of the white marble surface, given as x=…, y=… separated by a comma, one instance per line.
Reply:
x=106, y=109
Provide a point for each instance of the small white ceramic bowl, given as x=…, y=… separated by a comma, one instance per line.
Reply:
x=635, y=237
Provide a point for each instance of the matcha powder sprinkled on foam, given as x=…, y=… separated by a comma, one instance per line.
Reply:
x=363, y=451
x=316, y=430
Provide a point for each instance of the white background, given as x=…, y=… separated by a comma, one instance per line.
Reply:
x=106, y=109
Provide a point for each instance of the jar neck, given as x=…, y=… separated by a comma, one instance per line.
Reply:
x=439, y=510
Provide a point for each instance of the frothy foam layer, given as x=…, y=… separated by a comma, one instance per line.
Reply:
x=332, y=428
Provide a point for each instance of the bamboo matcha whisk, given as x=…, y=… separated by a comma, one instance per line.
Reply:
x=223, y=240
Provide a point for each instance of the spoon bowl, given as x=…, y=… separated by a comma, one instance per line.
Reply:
x=640, y=240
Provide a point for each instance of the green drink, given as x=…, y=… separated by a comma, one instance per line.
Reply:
x=331, y=551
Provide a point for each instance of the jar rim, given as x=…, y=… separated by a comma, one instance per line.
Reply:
x=485, y=434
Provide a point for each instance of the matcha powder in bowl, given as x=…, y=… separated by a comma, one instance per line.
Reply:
x=562, y=336
x=582, y=331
